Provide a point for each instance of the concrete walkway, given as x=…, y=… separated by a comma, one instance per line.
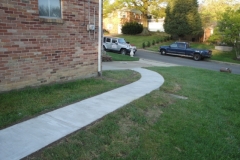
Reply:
x=118, y=65
x=22, y=139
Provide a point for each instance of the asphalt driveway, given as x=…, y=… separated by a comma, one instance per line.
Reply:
x=206, y=64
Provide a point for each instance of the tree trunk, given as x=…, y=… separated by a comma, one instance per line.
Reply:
x=145, y=31
x=237, y=50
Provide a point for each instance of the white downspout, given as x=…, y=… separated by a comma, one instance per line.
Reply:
x=100, y=38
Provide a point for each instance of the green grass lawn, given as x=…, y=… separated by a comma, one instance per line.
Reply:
x=16, y=106
x=160, y=126
x=120, y=57
x=225, y=56
x=138, y=39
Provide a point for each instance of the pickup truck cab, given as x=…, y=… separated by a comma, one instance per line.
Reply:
x=183, y=49
x=118, y=44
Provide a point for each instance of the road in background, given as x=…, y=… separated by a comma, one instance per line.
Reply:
x=205, y=64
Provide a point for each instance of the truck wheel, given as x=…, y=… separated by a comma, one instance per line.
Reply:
x=197, y=57
x=104, y=48
x=123, y=51
x=163, y=52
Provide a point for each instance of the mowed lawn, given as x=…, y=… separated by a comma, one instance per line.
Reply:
x=20, y=105
x=161, y=126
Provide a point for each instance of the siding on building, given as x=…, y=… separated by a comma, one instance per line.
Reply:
x=156, y=25
x=36, y=51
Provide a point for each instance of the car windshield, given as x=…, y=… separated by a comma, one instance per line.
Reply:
x=121, y=40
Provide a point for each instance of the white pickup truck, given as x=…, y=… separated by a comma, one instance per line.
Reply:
x=118, y=45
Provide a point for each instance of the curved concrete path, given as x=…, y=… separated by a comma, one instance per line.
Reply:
x=22, y=139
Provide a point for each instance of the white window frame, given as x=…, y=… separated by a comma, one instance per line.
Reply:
x=49, y=17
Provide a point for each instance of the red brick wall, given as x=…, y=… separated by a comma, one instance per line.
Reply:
x=36, y=51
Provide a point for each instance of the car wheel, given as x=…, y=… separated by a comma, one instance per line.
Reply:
x=123, y=51
x=163, y=52
x=197, y=57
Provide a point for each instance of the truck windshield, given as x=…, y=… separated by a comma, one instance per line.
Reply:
x=121, y=40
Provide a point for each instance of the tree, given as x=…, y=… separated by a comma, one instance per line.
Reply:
x=182, y=18
x=109, y=6
x=210, y=10
x=229, y=25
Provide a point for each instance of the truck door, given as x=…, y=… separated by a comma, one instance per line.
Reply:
x=107, y=42
x=181, y=48
x=114, y=44
x=172, y=48
x=189, y=51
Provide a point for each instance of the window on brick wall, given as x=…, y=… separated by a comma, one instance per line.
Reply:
x=49, y=8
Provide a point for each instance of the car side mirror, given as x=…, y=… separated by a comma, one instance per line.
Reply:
x=127, y=42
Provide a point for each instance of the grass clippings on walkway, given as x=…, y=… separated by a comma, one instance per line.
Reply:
x=160, y=126
x=16, y=106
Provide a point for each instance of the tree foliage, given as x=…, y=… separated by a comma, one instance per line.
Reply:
x=229, y=25
x=216, y=37
x=109, y=6
x=182, y=18
x=211, y=10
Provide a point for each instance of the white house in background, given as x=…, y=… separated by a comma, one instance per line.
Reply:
x=156, y=25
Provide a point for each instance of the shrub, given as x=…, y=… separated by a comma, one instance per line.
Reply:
x=153, y=42
x=148, y=44
x=214, y=39
x=132, y=28
x=143, y=45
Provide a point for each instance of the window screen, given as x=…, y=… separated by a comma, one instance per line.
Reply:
x=49, y=8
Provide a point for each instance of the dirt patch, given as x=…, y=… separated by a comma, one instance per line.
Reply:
x=126, y=125
x=153, y=114
x=176, y=87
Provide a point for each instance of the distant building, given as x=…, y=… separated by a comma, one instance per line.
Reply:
x=113, y=23
x=156, y=25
